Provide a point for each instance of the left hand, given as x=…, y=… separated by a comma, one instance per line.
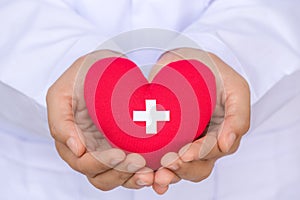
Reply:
x=80, y=143
x=230, y=121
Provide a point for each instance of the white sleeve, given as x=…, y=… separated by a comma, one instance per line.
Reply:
x=39, y=39
x=258, y=38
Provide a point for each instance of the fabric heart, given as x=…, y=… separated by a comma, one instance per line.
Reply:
x=150, y=118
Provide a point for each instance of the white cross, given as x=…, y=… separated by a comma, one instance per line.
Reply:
x=151, y=116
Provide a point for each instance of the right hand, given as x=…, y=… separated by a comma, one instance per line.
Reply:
x=229, y=123
x=78, y=141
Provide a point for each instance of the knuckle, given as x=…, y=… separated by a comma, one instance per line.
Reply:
x=233, y=150
x=243, y=125
x=80, y=60
x=88, y=173
x=50, y=94
x=74, y=166
x=246, y=126
x=203, y=176
x=204, y=173
x=240, y=124
x=71, y=162
x=100, y=184
x=130, y=185
x=244, y=84
x=104, y=187
x=53, y=130
x=207, y=174
x=123, y=176
x=87, y=169
x=60, y=150
x=81, y=167
x=235, y=147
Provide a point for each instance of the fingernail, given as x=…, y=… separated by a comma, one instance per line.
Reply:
x=72, y=144
x=230, y=141
x=202, y=153
x=173, y=167
x=114, y=162
x=132, y=168
x=141, y=183
x=162, y=186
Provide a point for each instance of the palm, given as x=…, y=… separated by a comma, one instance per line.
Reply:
x=90, y=135
x=95, y=140
x=216, y=123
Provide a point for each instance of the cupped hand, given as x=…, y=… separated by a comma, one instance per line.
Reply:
x=230, y=121
x=79, y=142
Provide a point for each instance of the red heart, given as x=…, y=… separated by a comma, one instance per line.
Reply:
x=184, y=91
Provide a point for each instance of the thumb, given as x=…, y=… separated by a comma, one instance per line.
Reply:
x=237, y=117
x=60, y=115
x=236, y=100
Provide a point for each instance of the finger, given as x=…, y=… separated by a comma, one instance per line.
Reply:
x=60, y=111
x=63, y=128
x=195, y=170
x=171, y=160
x=164, y=177
x=236, y=99
x=160, y=189
x=165, y=59
x=93, y=163
x=202, y=151
x=140, y=179
x=179, y=54
x=203, y=148
x=234, y=127
x=120, y=174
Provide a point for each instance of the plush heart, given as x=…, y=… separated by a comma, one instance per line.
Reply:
x=150, y=118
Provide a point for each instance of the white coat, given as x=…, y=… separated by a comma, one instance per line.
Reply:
x=260, y=39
